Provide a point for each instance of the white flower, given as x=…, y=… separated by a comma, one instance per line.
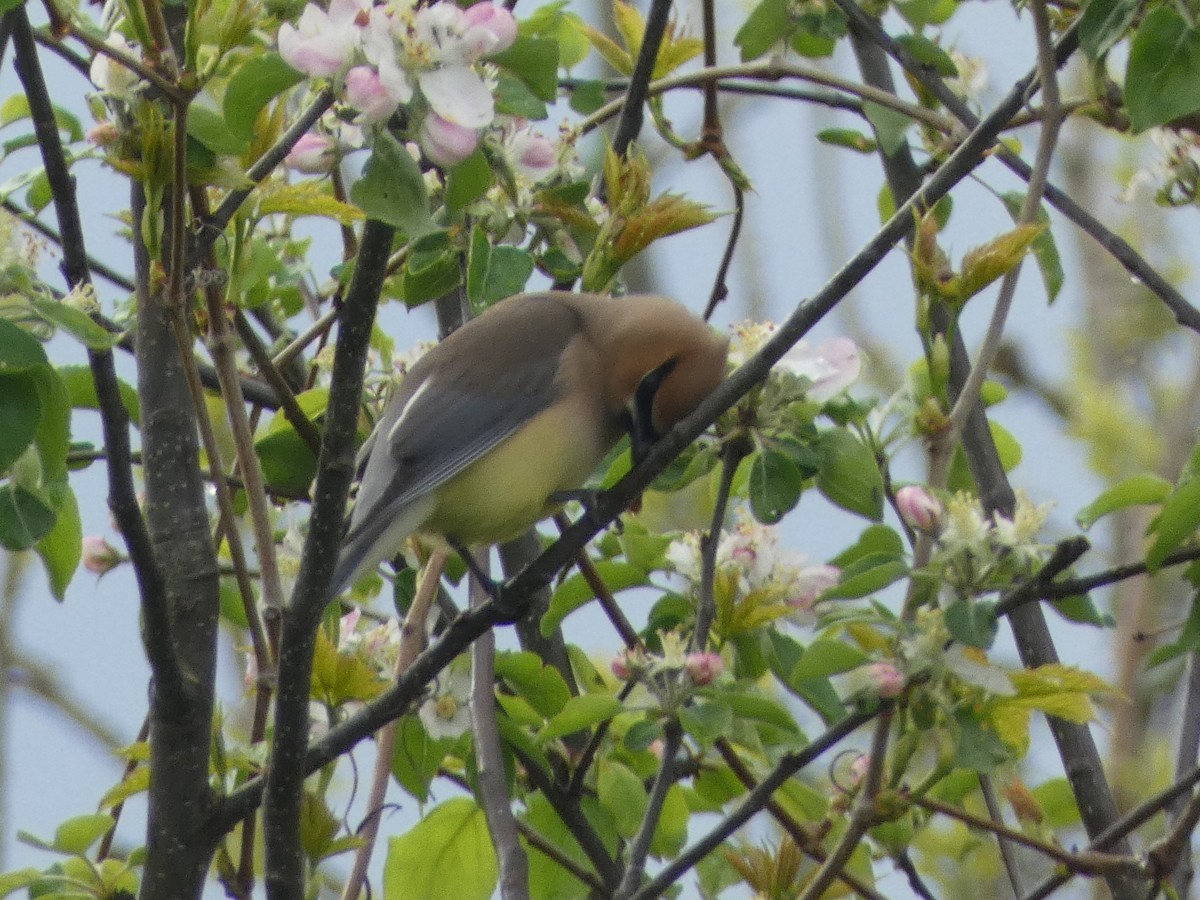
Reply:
x=323, y=43
x=972, y=78
x=108, y=74
x=831, y=368
x=447, y=713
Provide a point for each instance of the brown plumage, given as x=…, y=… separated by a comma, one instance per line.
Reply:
x=521, y=404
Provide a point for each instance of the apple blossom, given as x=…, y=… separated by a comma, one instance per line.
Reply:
x=446, y=143
x=703, y=668
x=323, y=43
x=109, y=75
x=918, y=507
x=887, y=681
x=99, y=556
x=313, y=154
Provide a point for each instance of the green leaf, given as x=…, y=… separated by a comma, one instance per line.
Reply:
x=515, y=98
x=1162, y=79
x=1142, y=489
x=208, y=127
x=535, y=61
x=416, y=757
x=40, y=193
x=759, y=708
x=257, y=81
x=768, y=23
x=433, y=269
x=1045, y=251
x=823, y=658
x=775, y=486
x=972, y=622
x=870, y=581
x=623, y=795
x=849, y=476
x=542, y=685
x=20, y=415
x=1187, y=641
x=1007, y=447
x=468, y=181
x=62, y=548
x=547, y=879
x=392, y=188
x=339, y=677
x=671, y=832
x=588, y=96
x=926, y=52
x=1081, y=609
x=1177, y=522
x=875, y=540
x=575, y=591
x=19, y=350
x=849, y=138
x=978, y=748
x=20, y=878
x=1103, y=23
x=449, y=853
x=75, y=322
x=24, y=518
x=706, y=722
x=891, y=126
x=76, y=835
x=494, y=273
x=579, y=713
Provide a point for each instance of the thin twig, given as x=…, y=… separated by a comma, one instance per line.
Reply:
x=489, y=756
x=412, y=640
x=862, y=815
x=640, y=847
x=754, y=802
x=630, y=123
x=772, y=70
x=706, y=608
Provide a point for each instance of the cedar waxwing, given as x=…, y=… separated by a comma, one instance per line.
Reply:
x=517, y=407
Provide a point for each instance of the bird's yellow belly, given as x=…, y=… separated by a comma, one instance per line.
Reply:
x=506, y=491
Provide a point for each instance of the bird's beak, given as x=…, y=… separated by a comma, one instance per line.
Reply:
x=642, y=433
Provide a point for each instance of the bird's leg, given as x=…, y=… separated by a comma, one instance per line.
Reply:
x=491, y=587
x=586, y=497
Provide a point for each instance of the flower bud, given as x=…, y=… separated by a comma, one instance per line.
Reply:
x=703, y=668
x=98, y=555
x=445, y=143
x=313, y=154
x=489, y=28
x=918, y=507
x=886, y=679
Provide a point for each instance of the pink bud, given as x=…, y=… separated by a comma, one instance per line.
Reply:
x=657, y=747
x=98, y=555
x=313, y=154
x=534, y=155
x=887, y=680
x=445, y=143
x=620, y=666
x=489, y=28
x=370, y=95
x=918, y=507
x=106, y=134
x=811, y=582
x=702, y=668
x=859, y=769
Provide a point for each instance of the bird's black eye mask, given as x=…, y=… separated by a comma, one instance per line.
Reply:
x=642, y=434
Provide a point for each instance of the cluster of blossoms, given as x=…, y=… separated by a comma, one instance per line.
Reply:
x=379, y=645
x=977, y=552
x=1174, y=178
x=660, y=673
x=383, y=56
x=827, y=369
x=750, y=554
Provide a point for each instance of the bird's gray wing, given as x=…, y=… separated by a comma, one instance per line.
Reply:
x=450, y=413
